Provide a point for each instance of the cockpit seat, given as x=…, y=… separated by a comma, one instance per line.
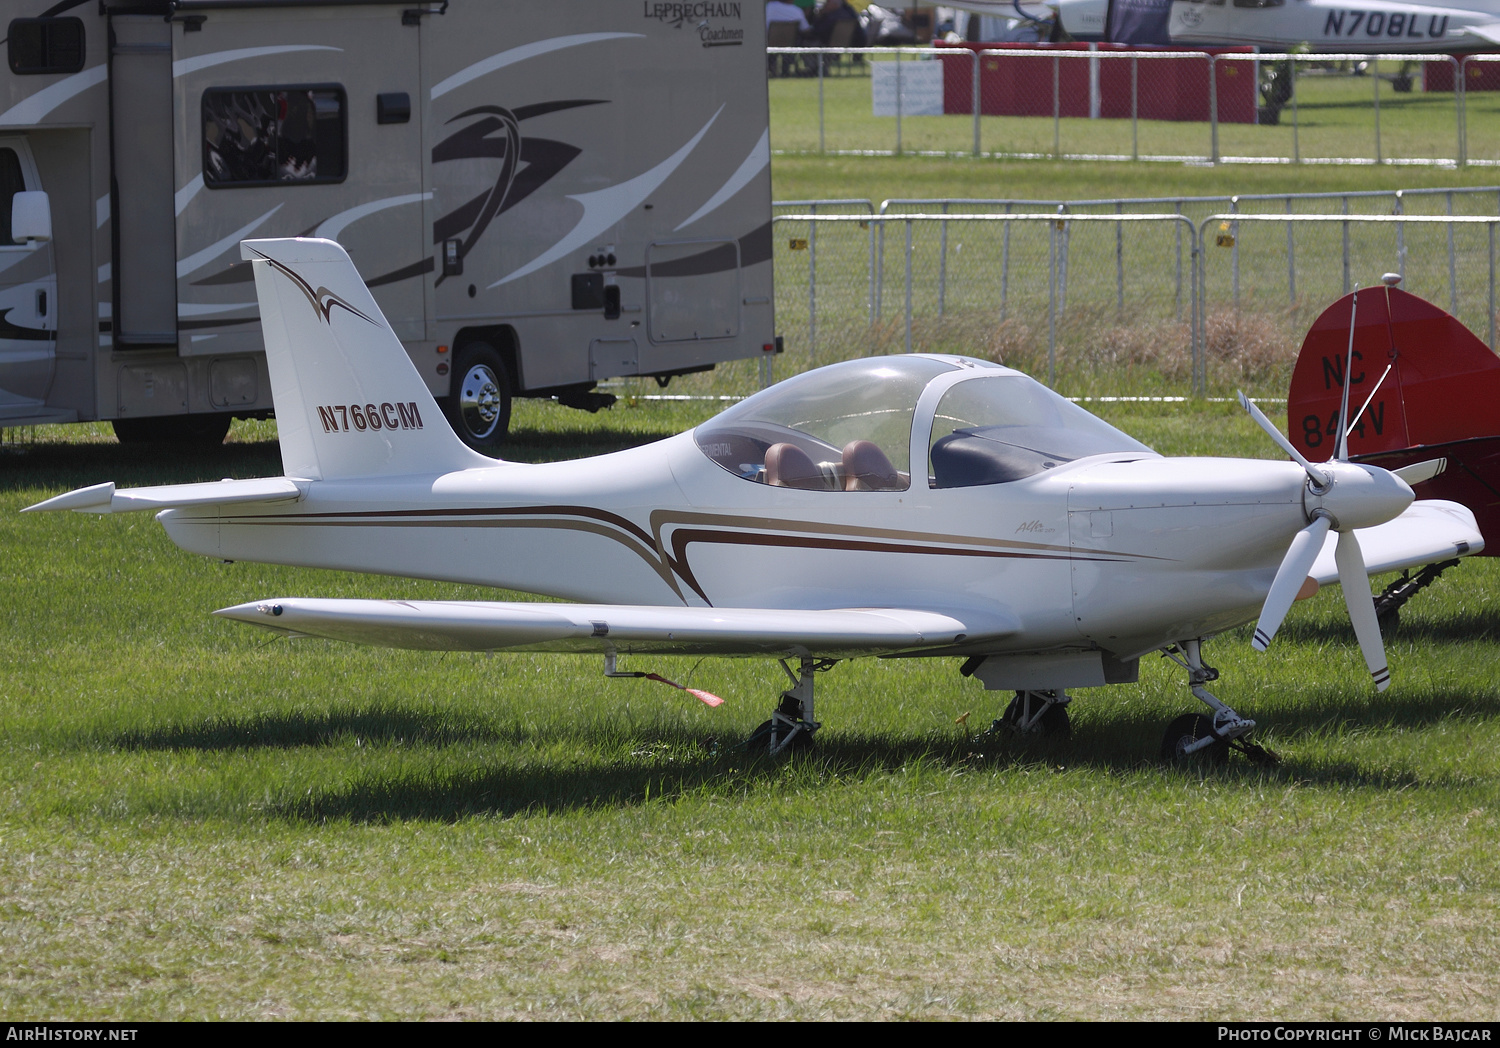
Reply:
x=866, y=468
x=788, y=466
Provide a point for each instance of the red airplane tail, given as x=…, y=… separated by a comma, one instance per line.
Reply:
x=1436, y=394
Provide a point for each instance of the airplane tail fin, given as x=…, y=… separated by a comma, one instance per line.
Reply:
x=1432, y=379
x=349, y=403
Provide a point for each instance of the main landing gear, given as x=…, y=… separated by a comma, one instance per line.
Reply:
x=1388, y=605
x=1200, y=736
x=1038, y=713
x=790, y=729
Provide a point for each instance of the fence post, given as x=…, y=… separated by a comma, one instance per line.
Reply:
x=1452, y=267
x=1005, y=266
x=1064, y=242
x=812, y=282
x=1177, y=292
x=975, y=74
x=880, y=272
x=943, y=262
x=1346, y=246
x=1491, y=228
x=1291, y=259
x=1120, y=263
x=908, y=284
x=1461, y=108
x=874, y=293
x=1375, y=79
x=1296, y=146
x=1199, y=296
x=821, y=56
x=1056, y=107
x=1234, y=252
x=1400, y=209
x=1213, y=108
x=1135, y=146
x=898, y=106
x=1051, y=301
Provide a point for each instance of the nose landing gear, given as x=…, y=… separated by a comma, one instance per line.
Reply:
x=1212, y=737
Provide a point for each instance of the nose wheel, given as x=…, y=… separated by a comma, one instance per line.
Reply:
x=1207, y=737
x=1185, y=738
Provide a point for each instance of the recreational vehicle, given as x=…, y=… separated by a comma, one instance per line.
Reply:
x=540, y=196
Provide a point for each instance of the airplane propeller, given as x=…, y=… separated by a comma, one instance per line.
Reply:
x=1341, y=496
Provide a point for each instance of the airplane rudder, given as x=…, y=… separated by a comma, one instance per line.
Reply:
x=358, y=406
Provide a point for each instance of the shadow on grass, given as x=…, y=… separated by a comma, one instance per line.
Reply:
x=66, y=466
x=1459, y=626
x=620, y=765
x=672, y=765
x=729, y=772
x=392, y=727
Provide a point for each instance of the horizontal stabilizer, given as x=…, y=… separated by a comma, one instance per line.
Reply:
x=1490, y=31
x=623, y=629
x=105, y=498
x=1429, y=531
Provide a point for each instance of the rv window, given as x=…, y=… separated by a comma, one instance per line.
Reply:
x=272, y=136
x=11, y=183
x=46, y=45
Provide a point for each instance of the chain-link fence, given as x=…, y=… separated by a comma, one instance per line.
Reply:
x=1250, y=268
x=1093, y=102
x=1102, y=301
x=1026, y=288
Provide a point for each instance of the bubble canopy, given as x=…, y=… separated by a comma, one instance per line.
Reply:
x=853, y=427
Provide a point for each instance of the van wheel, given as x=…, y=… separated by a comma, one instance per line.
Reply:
x=479, y=407
x=173, y=429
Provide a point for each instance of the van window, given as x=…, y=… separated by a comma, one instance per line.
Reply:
x=11, y=183
x=45, y=45
x=263, y=136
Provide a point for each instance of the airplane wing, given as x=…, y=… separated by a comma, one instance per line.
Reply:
x=620, y=628
x=104, y=498
x=1430, y=530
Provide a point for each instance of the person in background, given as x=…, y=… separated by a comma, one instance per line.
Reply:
x=829, y=15
x=781, y=11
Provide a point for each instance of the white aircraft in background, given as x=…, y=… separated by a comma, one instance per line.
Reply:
x=899, y=506
x=1335, y=26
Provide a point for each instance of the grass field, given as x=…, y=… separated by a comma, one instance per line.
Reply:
x=198, y=823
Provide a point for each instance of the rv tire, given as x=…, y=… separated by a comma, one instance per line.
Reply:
x=479, y=406
x=173, y=429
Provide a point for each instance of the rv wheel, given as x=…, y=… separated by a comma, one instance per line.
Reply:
x=479, y=408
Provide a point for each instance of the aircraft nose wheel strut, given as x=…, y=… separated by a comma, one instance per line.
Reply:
x=1211, y=736
x=791, y=727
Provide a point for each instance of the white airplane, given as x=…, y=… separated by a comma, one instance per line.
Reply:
x=1335, y=26
x=892, y=506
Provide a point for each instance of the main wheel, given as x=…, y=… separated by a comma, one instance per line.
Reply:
x=1053, y=722
x=479, y=407
x=1187, y=729
x=769, y=735
x=203, y=430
